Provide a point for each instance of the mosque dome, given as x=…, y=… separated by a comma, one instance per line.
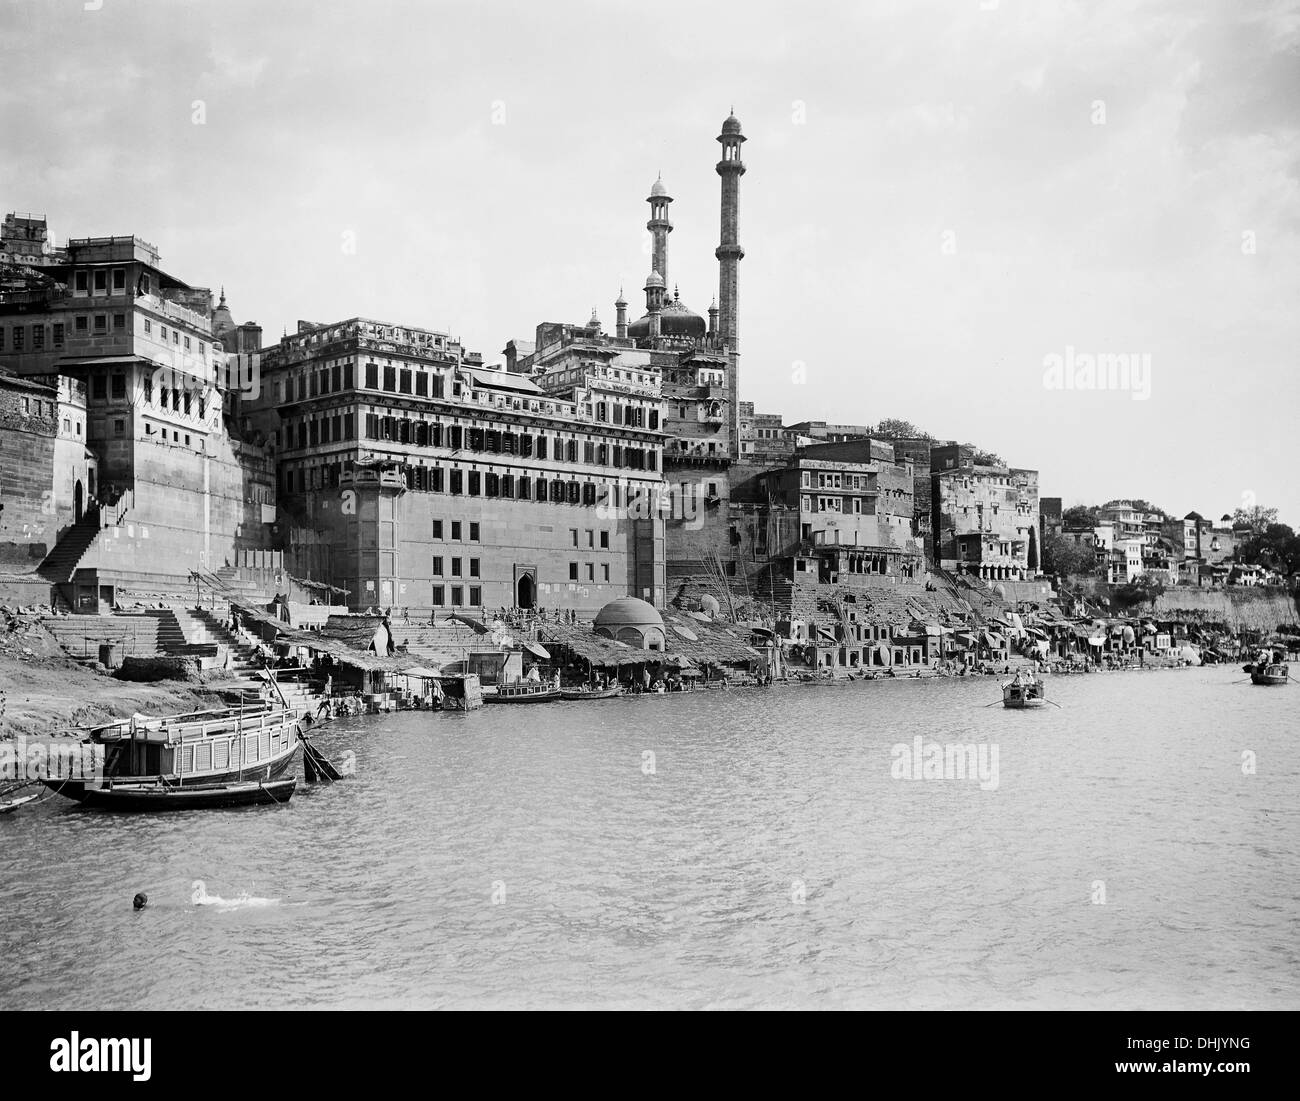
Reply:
x=675, y=319
x=658, y=190
x=654, y=279
x=731, y=125
x=633, y=621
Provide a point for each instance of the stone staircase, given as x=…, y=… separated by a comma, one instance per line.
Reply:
x=58, y=566
x=81, y=635
x=201, y=623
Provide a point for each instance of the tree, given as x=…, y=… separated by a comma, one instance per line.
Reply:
x=1066, y=557
x=981, y=457
x=1256, y=518
x=892, y=428
x=1140, y=590
x=1277, y=547
x=1147, y=506
x=1079, y=516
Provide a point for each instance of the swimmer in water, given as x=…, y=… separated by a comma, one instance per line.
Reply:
x=200, y=897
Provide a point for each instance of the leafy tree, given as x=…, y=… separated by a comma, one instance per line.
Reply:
x=1079, y=516
x=1147, y=506
x=1140, y=590
x=981, y=457
x=1277, y=547
x=1066, y=557
x=892, y=428
x=1256, y=518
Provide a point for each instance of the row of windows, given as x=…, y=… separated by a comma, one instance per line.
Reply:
x=591, y=538
x=84, y=324
x=99, y=277
x=471, y=483
x=456, y=565
x=457, y=596
x=834, y=479
x=590, y=570
x=34, y=407
x=456, y=528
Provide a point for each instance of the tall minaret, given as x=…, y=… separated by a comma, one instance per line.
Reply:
x=729, y=252
x=659, y=227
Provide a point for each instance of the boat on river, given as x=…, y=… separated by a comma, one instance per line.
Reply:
x=591, y=693
x=226, y=758
x=1022, y=693
x=1273, y=673
x=523, y=692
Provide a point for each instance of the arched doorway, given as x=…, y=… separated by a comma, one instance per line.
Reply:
x=1033, y=552
x=78, y=495
x=525, y=595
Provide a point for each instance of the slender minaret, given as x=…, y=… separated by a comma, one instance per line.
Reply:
x=659, y=227
x=713, y=317
x=620, y=316
x=729, y=252
x=654, y=301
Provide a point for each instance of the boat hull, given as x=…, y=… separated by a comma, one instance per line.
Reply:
x=512, y=695
x=1269, y=678
x=90, y=793
x=599, y=694
x=136, y=797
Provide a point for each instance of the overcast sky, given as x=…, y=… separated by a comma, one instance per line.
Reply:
x=939, y=195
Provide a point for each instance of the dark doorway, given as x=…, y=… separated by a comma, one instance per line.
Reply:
x=77, y=495
x=525, y=596
x=1033, y=552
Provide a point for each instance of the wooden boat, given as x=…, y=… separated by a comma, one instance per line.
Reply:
x=230, y=757
x=1271, y=673
x=591, y=693
x=1020, y=694
x=523, y=692
x=11, y=805
x=158, y=794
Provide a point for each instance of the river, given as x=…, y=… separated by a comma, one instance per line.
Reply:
x=744, y=849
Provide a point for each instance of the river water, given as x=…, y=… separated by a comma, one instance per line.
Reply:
x=738, y=849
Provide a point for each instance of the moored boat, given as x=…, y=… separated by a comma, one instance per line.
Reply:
x=591, y=693
x=231, y=757
x=152, y=795
x=523, y=692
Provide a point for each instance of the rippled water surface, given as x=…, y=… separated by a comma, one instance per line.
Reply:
x=769, y=859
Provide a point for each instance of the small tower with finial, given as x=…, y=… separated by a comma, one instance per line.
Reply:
x=654, y=301
x=620, y=316
x=713, y=316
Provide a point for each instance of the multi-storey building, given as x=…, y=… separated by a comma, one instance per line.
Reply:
x=173, y=491
x=763, y=438
x=413, y=477
x=984, y=518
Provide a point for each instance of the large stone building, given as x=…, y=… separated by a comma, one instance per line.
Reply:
x=167, y=489
x=984, y=519
x=413, y=477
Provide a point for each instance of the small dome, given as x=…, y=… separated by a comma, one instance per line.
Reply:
x=628, y=611
x=658, y=190
x=731, y=125
x=620, y=300
x=654, y=279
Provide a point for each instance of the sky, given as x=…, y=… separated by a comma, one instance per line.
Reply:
x=941, y=197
